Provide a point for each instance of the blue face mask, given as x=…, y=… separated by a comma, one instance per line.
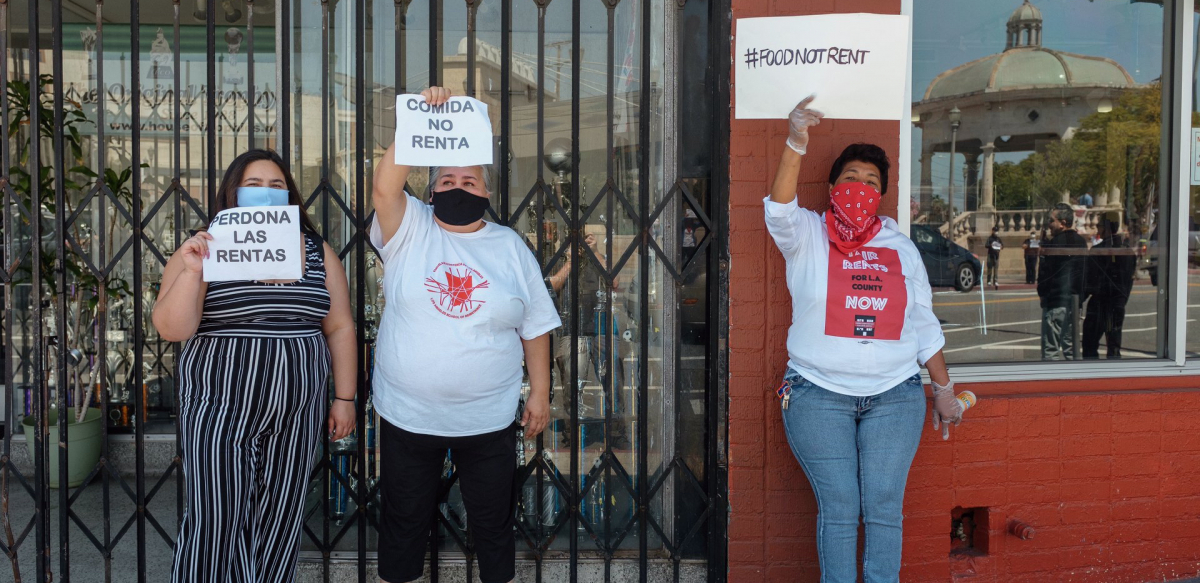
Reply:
x=261, y=196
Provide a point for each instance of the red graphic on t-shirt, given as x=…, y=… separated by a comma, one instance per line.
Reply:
x=453, y=285
x=866, y=294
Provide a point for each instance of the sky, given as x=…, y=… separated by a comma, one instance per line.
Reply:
x=948, y=33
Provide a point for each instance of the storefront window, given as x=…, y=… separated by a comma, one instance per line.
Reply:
x=1193, y=206
x=1036, y=194
x=591, y=169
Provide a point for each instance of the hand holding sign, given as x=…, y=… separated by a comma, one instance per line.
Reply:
x=254, y=243
x=194, y=250
x=799, y=121
x=434, y=129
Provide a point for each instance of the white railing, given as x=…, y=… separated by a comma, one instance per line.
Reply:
x=1025, y=221
x=1031, y=221
x=1022, y=222
x=963, y=225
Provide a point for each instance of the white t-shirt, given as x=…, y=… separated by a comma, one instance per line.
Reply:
x=862, y=322
x=448, y=358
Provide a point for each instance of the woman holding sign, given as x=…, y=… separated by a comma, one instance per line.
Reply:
x=253, y=387
x=466, y=304
x=862, y=322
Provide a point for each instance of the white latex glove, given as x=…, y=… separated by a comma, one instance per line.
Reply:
x=946, y=408
x=799, y=121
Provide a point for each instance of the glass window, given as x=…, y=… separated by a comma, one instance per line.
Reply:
x=1193, y=236
x=1035, y=176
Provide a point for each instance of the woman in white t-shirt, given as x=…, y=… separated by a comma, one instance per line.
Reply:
x=862, y=323
x=466, y=305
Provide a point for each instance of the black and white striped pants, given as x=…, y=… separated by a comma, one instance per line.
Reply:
x=250, y=417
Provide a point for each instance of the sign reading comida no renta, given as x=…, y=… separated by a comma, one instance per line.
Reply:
x=455, y=133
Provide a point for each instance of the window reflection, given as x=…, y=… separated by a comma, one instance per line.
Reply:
x=1035, y=177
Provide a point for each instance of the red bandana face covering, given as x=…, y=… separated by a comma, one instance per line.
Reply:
x=851, y=219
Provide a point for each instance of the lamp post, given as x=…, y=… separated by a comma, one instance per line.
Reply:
x=955, y=117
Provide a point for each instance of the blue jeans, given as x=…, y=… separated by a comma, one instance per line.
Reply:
x=856, y=452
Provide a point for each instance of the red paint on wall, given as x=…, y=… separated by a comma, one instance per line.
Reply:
x=1106, y=472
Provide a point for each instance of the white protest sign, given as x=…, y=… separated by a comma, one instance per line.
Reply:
x=854, y=63
x=255, y=243
x=455, y=133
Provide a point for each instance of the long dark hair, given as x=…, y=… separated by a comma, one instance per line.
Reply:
x=227, y=191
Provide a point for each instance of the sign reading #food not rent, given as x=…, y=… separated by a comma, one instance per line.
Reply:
x=855, y=64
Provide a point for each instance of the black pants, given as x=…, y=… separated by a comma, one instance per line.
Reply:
x=409, y=485
x=1031, y=268
x=251, y=414
x=992, y=268
x=1105, y=317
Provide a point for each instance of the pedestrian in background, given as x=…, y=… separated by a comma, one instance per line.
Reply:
x=1061, y=284
x=994, y=245
x=1032, y=246
x=1110, y=270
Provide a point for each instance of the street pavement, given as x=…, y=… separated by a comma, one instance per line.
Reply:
x=1011, y=329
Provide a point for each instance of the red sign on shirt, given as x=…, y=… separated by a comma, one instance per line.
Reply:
x=866, y=294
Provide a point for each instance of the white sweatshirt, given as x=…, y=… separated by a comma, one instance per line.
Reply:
x=861, y=323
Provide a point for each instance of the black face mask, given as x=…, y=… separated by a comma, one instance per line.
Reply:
x=458, y=207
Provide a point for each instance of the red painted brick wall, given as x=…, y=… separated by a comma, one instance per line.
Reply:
x=1110, y=481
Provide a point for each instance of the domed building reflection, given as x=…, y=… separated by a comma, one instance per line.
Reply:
x=1017, y=100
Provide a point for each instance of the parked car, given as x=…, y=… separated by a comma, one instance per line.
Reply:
x=1148, y=251
x=947, y=262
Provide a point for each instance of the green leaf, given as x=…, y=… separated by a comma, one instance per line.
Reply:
x=85, y=170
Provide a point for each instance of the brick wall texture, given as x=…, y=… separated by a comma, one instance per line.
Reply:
x=1107, y=472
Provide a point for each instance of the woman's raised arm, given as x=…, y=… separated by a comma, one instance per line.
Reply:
x=783, y=190
x=390, y=177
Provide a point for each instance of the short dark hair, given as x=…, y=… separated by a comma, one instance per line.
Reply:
x=1063, y=213
x=860, y=152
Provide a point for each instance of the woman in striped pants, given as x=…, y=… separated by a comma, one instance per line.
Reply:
x=253, y=389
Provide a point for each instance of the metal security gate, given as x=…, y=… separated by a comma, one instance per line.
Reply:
x=611, y=137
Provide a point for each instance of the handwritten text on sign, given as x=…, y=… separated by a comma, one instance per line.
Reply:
x=854, y=63
x=455, y=133
x=255, y=243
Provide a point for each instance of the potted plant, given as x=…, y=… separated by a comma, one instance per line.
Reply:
x=86, y=293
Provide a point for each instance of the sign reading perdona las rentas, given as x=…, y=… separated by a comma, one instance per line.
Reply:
x=255, y=243
x=455, y=133
x=854, y=63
